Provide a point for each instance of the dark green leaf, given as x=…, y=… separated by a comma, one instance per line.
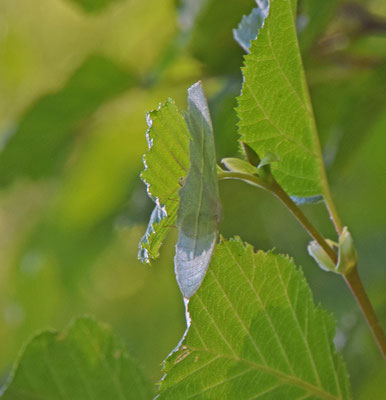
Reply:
x=250, y=155
x=85, y=362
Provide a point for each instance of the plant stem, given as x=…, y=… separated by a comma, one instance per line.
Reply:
x=354, y=282
x=278, y=191
x=333, y=212
x=273, y=187
x=352, y=279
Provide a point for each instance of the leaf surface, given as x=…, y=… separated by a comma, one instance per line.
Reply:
x=166, y=163
x=86, y=362
x=255, y=333
x=274, y=108
x=199, y=209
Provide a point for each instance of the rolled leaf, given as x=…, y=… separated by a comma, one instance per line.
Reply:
x=199, y=209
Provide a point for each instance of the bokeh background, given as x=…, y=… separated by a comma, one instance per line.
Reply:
x=76, y=78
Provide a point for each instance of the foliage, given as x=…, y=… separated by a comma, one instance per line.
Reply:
x=101, y=367
x=274, y=109
x=199, y=208
x=62, y=113
x=72, y=208
x=168, y=140
x=255, y=333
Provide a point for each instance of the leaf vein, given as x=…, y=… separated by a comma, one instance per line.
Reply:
x=310, y=354
x=263, y=307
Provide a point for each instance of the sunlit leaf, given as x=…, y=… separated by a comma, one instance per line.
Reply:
x=85, y=362
x=166, y=163
x=255, y=333
x=199, y=209
x=274, y=108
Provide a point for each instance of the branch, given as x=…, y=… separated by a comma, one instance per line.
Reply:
x=354, y=282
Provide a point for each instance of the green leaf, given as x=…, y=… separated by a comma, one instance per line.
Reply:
x=156, y=231
x=85, y=362
x=238, y=165
x=255, y=333
x=166, y=162
x=199, y=209
x=250, y=24
x=250, y=155
x=274, y=108
x=268, y=159
x=41, y=142
x=94, y=6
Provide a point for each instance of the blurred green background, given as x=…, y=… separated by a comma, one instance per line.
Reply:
x=76, y=78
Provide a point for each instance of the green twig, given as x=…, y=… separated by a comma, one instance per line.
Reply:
x=333, y=212
x=278, y=191
x=354, y=282
x=273, y=187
